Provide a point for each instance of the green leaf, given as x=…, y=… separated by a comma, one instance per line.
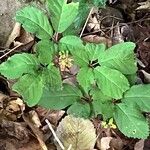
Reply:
x=102, y=104
x=51, y=77
x=80, y=110
x=77, y=49
x=59, y=98
x=112, y=82
x=94, y=50
x=131, y=122
x=19, y=64
x=71, y=30
x=80, y=57
x=120, y=57
x=99, y=2
x=30, y=87
x=84, y=9
x=138, y=95
x=45, y=51
x=106, y=109
x=62, y=14
x=85, y=77
x=132, y=78
x=70, y=42
x=35, y=21
x=97, y=94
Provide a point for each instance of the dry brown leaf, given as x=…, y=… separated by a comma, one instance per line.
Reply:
x=25, y=37
x=10, y=108
x=14, y=106
x=139, y=145
x=36, y=131
x=93, y=24
x=105, y=141
x=52, y=115
x=15, y=33
x=2, y=98
x=16, y=130
x=117, y=35
x=146, y=76
x=35, y=118
x=97, y=39
x=6, y=144
x=31, y=145
x=116, y=144
x=78, y=132
x=12, y=144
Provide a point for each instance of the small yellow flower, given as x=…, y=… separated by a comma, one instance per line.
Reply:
x=104, y=124
x=110, y=124
x=65, y=61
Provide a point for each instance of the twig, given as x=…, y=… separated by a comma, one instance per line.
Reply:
x=110, y=28
x=70, y=146
x=10, y=51
x=86, y=21
x=54, y=134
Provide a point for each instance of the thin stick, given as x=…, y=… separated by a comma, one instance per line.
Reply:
x=54, y=134
x=70, y=146
x=86, y=21
x=10, y=51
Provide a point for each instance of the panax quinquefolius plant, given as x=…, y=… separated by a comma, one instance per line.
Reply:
x=104, y=81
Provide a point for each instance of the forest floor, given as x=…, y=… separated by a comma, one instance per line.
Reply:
x=24, y=128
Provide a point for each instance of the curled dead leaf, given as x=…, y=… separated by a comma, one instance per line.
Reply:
x=35, y=118
x=146, y=76
x=14, y=106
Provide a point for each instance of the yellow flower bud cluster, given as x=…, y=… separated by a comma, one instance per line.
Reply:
x=65, y=60
x=110, y=124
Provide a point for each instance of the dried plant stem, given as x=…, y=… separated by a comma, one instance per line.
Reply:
x=69, y=148
x=54, y=134
x=10, y=51
x=86, y=21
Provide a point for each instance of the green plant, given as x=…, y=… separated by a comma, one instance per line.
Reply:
x=103, y=81
x=84, y=9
